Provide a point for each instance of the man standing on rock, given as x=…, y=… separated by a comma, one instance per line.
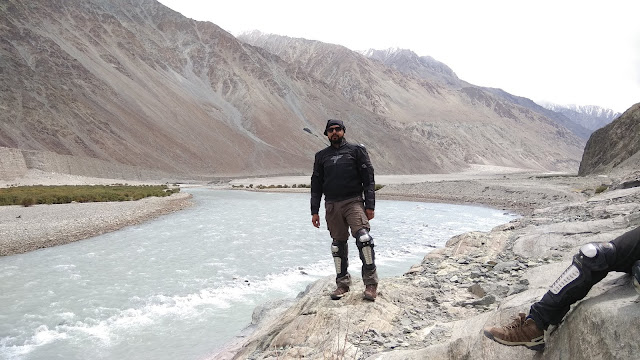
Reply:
x=343, y=172
x=590, y=265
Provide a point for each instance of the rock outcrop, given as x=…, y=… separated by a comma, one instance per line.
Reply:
x=615, y=146
x=437, y=310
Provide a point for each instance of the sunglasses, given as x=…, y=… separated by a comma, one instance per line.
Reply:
x=332, y=129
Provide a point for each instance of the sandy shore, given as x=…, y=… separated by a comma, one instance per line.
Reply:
x=24, y=229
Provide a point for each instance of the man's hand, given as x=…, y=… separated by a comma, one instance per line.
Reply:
x=315, y=220
x=370, y=213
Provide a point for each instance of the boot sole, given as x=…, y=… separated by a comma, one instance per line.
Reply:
x=531, y=345
x=338, y=297
x=370, y=298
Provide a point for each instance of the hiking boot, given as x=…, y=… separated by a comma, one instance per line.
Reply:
x=636, y=275
x=522, y=331
x=370, y=292
x=339, y=292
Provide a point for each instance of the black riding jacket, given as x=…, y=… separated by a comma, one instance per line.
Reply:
x=342, y=173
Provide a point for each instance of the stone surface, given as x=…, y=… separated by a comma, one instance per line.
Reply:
x=424, y=314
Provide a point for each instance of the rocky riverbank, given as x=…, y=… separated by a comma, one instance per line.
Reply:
x=438, y=309
x=24, y=229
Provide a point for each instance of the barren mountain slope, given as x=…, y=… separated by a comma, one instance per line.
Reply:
x=422, y=67
x=615, y=146
x=452, y=119
x=133, y=82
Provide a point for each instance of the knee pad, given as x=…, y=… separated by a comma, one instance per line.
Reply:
x=340, y=252
x=591, y=257
x=364, y=241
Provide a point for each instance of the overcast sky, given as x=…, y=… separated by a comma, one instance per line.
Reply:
x=562, y=51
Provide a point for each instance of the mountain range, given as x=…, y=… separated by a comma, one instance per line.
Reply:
x=592, y=117
x=132, y=83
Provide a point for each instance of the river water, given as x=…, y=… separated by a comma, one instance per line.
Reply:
x=183, y=285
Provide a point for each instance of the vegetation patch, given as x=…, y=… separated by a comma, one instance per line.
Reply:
x=32, y=195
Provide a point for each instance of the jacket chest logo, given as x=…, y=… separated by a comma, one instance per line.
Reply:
x=335, y=158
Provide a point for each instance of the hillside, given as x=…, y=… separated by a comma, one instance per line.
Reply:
x=615, y=147
x=450, y=117
x=136, y=85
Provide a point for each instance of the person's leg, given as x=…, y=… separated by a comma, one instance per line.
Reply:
x=590, y=265
x=627, y=250
x=629, y=245
x=340, y=253
x=552, y=308
x=359, y=224
x=339, y=231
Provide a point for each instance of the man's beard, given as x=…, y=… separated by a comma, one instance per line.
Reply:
x=335, y=141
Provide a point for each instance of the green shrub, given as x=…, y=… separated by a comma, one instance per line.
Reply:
x=31, y=195
x=28, y=201
x=378, y=187
x=601, y=188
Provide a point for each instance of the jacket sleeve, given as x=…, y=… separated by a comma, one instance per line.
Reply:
x=366, y=177
x=317, y=178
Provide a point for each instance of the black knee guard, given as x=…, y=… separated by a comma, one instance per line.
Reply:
x=591, y=257
x=364, y=241
x=340, y=252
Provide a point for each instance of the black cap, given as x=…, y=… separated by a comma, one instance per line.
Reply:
x=333, y=122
